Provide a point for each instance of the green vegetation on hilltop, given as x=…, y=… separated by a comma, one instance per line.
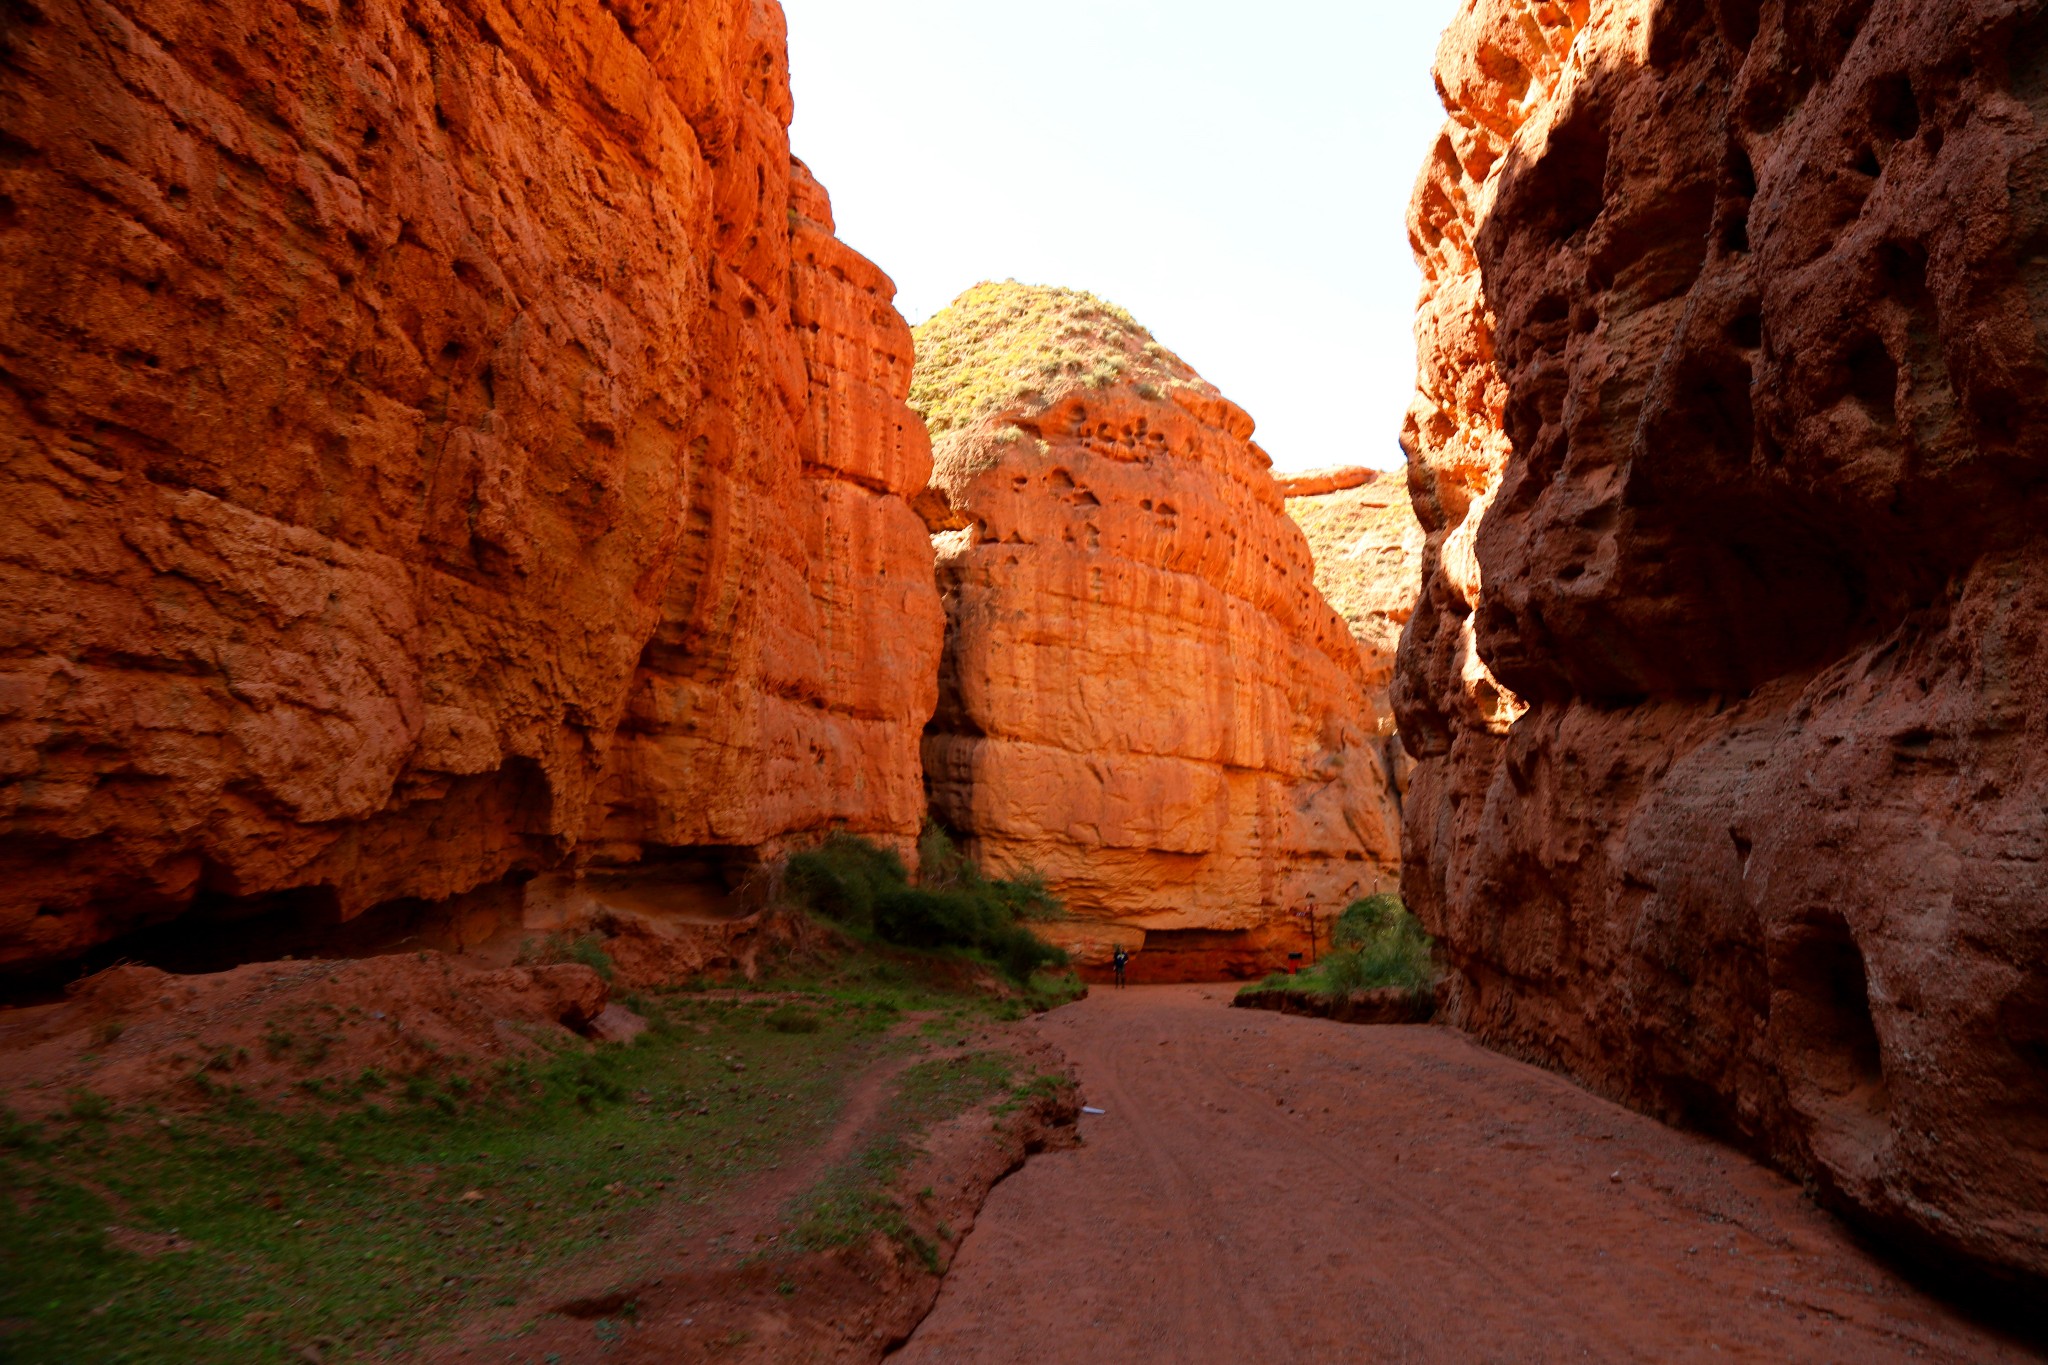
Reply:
x=1375, y=943
x=1000, y=344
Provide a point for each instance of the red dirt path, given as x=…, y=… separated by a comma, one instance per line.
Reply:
x=1266, y=1188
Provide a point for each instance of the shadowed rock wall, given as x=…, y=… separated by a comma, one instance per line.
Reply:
x=1144, y=696
x=442, y=440
x=1728, y=679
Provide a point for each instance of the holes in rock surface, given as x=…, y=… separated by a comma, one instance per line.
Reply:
x=1743, y=847
x=1874, y=380
x=1826, y=998
x=1738, y=21
x=1573, y=173
x=1894, y=110
x=749, y=309
x=1741, y=174
x=1747, y=330
x=1739, y=190
x=1866, y=163
x=2027, y=58
x=1675, y=30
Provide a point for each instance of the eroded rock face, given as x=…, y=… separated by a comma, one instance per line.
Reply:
x=1144, y=696
x=1727, y=678
x=442, y=440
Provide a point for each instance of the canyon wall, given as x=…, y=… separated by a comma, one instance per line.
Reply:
x=1367, y=545
x=444, y=441
x=1727, y=678
x=1143, y=696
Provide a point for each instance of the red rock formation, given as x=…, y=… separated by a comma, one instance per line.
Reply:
x=1143, y=694
x=1361, y=528
x=442, y=440
x=1727, y=677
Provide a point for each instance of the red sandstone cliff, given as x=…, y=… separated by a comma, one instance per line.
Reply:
x=1727, y=677
x=1143, y=695
x=443, y=440
x=1367, y=545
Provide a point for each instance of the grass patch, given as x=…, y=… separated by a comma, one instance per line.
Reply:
x=395, y=1204
x=1376, y=943
x=856, y=1200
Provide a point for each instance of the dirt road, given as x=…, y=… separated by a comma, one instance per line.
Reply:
x=1277, y=1189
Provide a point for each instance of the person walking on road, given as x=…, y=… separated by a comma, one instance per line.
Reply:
x=1120, y=960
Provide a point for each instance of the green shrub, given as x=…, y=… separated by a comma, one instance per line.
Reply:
x=841, y=878
x=88, y=1106
x=1365, y=920
x=1377, y=944
x=953, y=905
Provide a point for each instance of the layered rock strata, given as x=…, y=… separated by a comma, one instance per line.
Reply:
x=1727, y=677
x=443, y=441
x=1143, y=696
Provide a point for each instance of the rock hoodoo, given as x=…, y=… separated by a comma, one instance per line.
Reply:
x=1143, y=695
x=444, y=442
x=1727, y=678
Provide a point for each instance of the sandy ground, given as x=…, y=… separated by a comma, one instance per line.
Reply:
x=1265, y=1188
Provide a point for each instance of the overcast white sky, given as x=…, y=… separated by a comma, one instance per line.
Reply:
x=1236, y=175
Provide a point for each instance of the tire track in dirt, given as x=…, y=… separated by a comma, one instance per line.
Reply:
x=1269, y=1188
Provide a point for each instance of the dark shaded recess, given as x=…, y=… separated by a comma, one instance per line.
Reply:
x=1562, y=191
x=1677, y=28
x=220, y=932
x=1819, y=33
x=1775, y=85
x=1738, y=191
x=1822, y=1007
x=2023, y=56
x=1823, y=992
x=1893, y=108
x=1718, y=595
x=1214, y=954
x=1737, y=21
x=1874, y=380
